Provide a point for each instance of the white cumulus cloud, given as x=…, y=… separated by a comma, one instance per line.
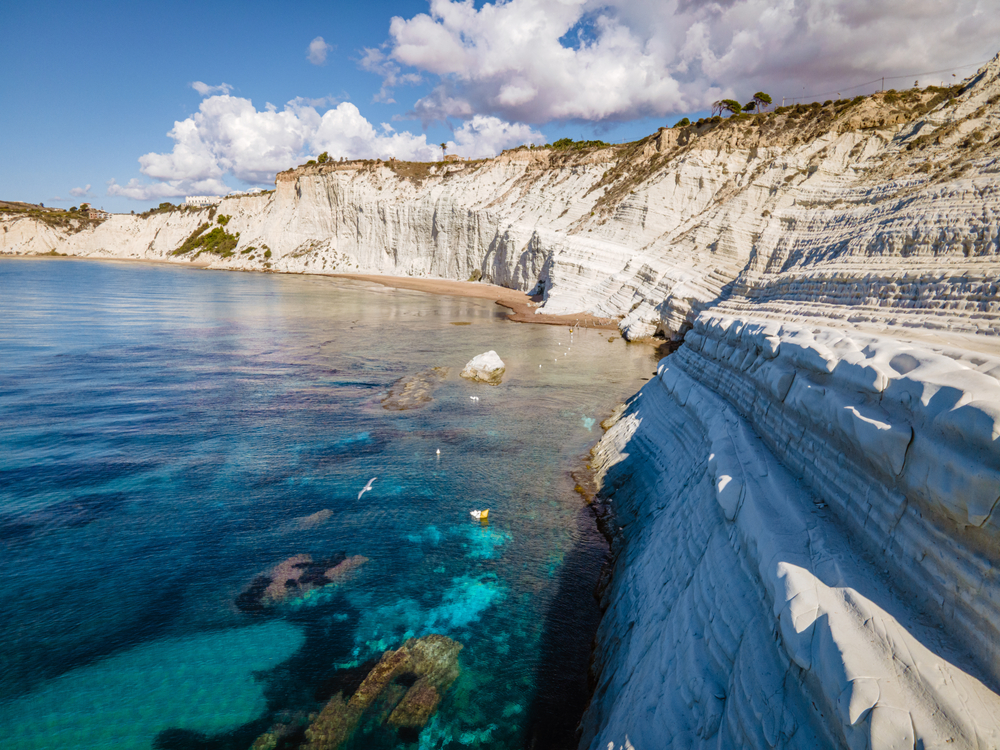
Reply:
x=488, y=136
x=229, y=136
x=205, y=90
x=141, y=191
x=612, y=60
x=79, y=192
x=318, y=49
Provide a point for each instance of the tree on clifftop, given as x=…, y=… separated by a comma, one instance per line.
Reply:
x=726, y=105
x=323, y=158
x=444, y=151
x=730, y=105
x=763, y=100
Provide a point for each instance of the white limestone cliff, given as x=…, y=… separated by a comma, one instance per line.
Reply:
x=804, y=500
x=807, y=545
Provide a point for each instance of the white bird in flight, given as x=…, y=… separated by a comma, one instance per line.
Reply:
x=367, y=487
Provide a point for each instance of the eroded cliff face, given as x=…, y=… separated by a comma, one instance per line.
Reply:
x=805, y=496
x=806, y=545
x=864, y=206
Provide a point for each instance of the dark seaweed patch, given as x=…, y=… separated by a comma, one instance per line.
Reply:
x=409, y=734
x=238, y=739
x=345, y=681
x=407, y=679
x=73, y=513
x=249, y=600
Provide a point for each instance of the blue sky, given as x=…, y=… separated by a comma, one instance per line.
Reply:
x=91, y=91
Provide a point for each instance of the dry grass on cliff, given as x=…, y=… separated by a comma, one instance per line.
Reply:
x=70, y=222
x=415, y=172
x=788, y=126
x=418, y=172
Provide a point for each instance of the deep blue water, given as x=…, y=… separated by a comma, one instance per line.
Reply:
x=169, y=434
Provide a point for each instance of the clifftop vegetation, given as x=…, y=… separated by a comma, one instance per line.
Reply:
x=568, y=144
x=784, y=126
x=72, y=220
x=216, y=240
x=167, y=207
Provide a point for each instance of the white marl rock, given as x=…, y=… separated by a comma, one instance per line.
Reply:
x=485, y=368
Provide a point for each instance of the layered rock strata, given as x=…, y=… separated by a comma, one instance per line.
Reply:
x=807, y=546
x=861, y=212
x=805, y=496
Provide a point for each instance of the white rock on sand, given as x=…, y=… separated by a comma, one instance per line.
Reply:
x=486, y=368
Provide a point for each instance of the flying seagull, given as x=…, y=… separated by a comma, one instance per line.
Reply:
x=367, y=487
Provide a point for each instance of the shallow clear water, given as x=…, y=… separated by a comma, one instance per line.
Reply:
x=168, y=434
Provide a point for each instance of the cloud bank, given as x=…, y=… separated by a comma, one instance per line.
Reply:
x=614, y=60
x=229, y=136
x=79, y=192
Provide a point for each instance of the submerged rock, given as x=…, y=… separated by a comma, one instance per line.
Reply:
x=414, y=391
x=285, y=578
x=312, y=520
x=406, y=685
x=417, y=706
x=295, y=577
x=73, y=513
x=486, y=368
x=334, y=725
x=281, y=735
x=342, y=571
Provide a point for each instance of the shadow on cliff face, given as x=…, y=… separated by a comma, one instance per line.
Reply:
x=562, y=675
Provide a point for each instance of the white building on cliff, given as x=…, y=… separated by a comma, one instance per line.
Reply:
x=202, y=200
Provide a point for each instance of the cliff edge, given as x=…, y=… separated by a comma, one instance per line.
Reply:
x=804, y=500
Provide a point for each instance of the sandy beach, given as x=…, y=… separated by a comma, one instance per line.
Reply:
x=522, y=306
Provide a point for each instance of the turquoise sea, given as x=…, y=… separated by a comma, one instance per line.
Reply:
x=168, y=436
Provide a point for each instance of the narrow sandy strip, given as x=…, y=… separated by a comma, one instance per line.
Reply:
x=203, y=264
x=522, y=307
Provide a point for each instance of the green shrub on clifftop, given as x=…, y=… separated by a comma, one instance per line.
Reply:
x=568, y=144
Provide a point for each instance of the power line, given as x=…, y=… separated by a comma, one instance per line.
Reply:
x=880, y=79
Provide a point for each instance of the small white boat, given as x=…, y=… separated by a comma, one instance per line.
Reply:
x=481, y=515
